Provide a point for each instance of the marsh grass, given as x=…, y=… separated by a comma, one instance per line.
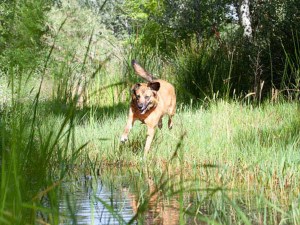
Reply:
x=232, y=159
x=35, y=155
x=33, y=163
x=244, y=158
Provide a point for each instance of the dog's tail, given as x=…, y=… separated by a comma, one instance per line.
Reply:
x=141, y=71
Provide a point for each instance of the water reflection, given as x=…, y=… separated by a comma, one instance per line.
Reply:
x=137, y=196
x=158, y=210
x=117, y=198
x=88, y=201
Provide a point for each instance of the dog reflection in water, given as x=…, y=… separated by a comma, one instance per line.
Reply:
x=157, y=210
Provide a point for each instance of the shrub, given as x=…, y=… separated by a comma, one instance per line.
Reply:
x=200, y=70
x=21, y=27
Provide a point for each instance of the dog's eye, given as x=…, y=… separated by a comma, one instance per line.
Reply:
x=138, y=96
x=147, y=97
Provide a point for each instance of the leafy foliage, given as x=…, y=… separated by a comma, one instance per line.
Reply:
x=270, y=60
x=276, y=29
x=109, y=13
x=165, y=23
x=22, y=25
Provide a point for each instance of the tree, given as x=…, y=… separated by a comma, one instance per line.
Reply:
x=245, y=18
x=111, y=14
x=21, y=27
x=272, y=28
x=166, y=22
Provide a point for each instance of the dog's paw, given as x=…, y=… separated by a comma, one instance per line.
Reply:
x=124, y=139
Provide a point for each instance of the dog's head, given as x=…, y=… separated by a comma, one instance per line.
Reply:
x=144, y=96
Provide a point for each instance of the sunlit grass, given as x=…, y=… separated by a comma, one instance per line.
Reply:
x=252, y=152
x=223, y=132
x=247, y=154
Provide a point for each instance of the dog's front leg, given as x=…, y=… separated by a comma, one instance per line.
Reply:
x=150, y=135
x=128, y=126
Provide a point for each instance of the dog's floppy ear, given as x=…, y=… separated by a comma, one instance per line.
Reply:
x=134, y=88
x=154, y=86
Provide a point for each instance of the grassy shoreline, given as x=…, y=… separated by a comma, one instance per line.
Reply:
x=252, y=151
x=248, y=152
x=226, y=131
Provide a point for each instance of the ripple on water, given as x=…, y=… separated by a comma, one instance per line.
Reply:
x=84, y=202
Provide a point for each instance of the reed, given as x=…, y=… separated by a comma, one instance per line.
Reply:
x=234, y=159
x=35, y=156
x=240, y=159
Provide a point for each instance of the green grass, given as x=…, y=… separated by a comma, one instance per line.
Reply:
x=250, y=154
x=227, y=157
x=231, y=157
x=225, y=131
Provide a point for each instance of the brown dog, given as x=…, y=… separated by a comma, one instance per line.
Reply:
x=150, y=102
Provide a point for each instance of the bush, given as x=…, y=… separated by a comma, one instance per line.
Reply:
x=21, y=28
x=201, y=70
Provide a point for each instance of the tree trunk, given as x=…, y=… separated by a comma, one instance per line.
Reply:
x=245, y=18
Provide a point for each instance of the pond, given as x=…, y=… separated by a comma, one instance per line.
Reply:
x=116, y=198
x=137, y=196
x=89, y=201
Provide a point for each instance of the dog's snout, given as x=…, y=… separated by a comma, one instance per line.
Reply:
x=140, y=106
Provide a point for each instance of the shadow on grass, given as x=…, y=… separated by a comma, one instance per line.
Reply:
x=61, y=108
x=135, y=144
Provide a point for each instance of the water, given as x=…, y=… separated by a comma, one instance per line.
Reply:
x=117, y=196
x=89, y=201
x=116, y=199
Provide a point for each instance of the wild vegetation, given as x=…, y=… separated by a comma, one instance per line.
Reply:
x=232, y=156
